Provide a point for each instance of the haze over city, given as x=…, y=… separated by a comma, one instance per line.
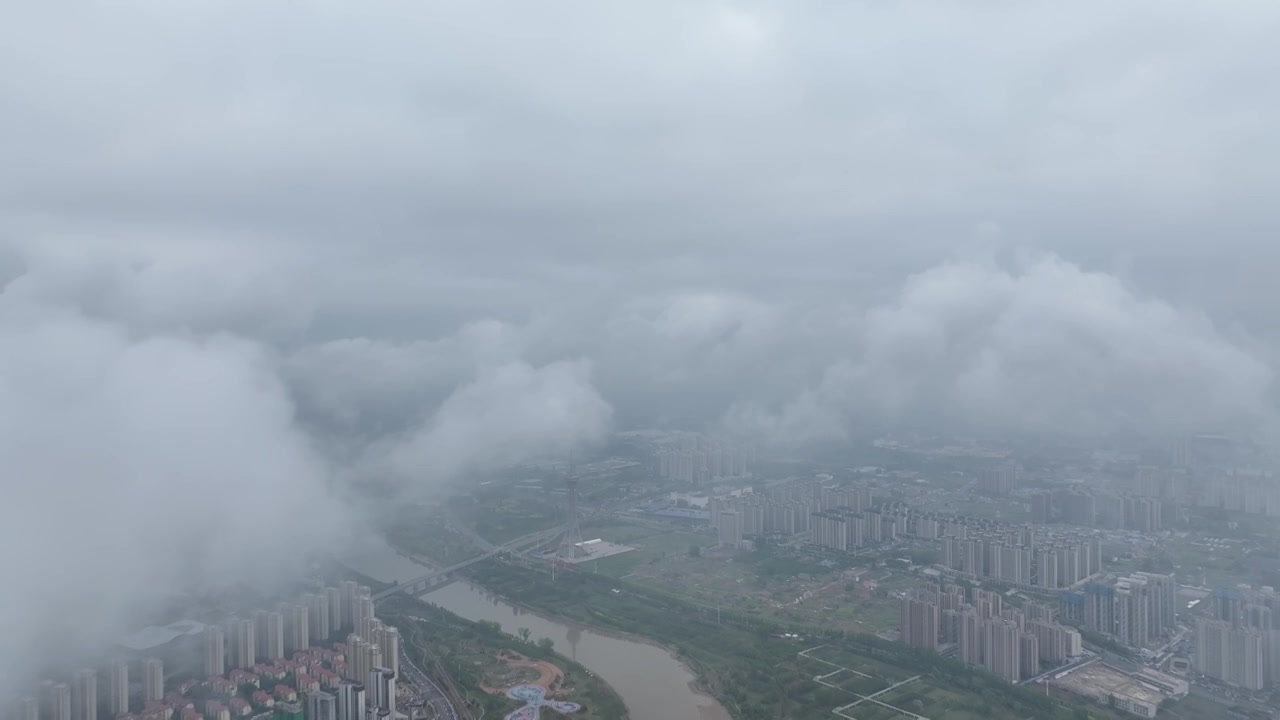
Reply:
x=256, y=259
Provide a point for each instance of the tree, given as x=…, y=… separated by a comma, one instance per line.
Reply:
x=545, y=644
x=524, y=633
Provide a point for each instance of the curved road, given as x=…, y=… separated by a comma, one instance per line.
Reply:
x=432, y=693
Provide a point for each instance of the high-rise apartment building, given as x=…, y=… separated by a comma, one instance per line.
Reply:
x=391, y=649
x=1057, y=643
x=1100, y=608
x=243, y=643
x=1143, y=514
x=1003, y=648
x=152, y=680
x=372, y=657
x=297, y=629
x=1136, y=609
x=729, y=528
x=351, y=701
x=919, y=624
x=347, y=589
x=60, y=702
x=999, y=479
x=28, y=708
x=1233, y=654
x=321, y=706
x=362, y=608
x=383, y=683
x=1133, y=603
x=317, y=616
x=972, y=646
x=1029, y=654
x=215, y=651
x=118, y=687
x=84, y=695
x=271, y=641
x=356, y=671
x=336, y=621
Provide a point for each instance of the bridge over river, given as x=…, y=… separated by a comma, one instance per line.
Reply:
x=428, y=581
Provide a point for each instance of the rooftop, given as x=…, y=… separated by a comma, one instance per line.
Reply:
x=1097, y=678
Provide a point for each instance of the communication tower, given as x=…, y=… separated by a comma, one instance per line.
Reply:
x=571, y=540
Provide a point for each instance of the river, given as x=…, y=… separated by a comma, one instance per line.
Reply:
x=652, y=682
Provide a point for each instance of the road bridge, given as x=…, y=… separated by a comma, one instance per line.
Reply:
x=428, y=581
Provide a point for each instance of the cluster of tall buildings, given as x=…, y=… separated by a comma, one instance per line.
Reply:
x=294, y=641
x=836, y=518
x=1020, y=555
x=998, y=479
x=699, y=459
x=1008, y=641
x=1136, y=609
x=1239, y=643
x=81, y=699
x=1209, y=471
x=274, y=634
x=1099, y=509
x=1016, y=556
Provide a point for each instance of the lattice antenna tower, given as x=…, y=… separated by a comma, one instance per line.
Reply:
x=571, y=540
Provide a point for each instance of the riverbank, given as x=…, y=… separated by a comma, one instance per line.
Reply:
x=652, y=682
x=470, y=651
x=756, y=672
x=712, y=709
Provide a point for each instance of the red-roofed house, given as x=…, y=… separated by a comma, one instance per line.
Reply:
x=263, y=699
x=190, y=714
x=222, y=686
x=240, y=707
x=214, y=710
x=242, y=677
x=156, y=711
x=328, y=678
x=307, y=684
x=284, y=693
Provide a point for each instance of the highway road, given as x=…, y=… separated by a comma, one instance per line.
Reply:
x=426, y=690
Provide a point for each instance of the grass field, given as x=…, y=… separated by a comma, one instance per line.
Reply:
x=760, y=674
x=650, y=546
x=925, y=698
x=505, y=521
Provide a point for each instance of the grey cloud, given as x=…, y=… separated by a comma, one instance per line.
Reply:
x=509, y=414
x=1046, y=348
x=137, y=466
x=354, y=383
x=449, y=235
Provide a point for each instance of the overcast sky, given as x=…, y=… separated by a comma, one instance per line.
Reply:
x=275, y=243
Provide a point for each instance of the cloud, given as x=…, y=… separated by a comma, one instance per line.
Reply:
x=1046, y=348
x=138, y=465
x=509, y=414
x=469, y=242
x=364, y=385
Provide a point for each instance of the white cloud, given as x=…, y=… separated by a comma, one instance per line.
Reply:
x=136, y=466
x=1047, y=348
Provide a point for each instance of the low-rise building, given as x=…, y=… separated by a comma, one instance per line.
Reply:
x=1107, y=685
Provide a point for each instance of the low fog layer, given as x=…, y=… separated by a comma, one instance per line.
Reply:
x=252, y=253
